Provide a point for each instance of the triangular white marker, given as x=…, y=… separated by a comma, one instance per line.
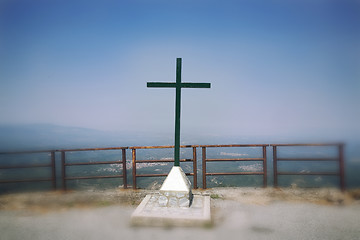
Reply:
x=176, y=181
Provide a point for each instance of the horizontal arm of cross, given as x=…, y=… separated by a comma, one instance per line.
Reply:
x=173, y=85
x=161, y=84
x=195, y=85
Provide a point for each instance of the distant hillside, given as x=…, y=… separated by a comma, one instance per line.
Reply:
x=47, y=136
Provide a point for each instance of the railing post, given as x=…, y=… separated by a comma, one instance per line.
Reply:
x=134, y=167
x=264, y=167
x=275, y=166
x=124, y=168
x=53, y=170
x=195, y=167
x=204, y=167
x=341, y=167
x=63, y=170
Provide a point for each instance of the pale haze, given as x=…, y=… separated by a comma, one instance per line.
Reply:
x=275, y=67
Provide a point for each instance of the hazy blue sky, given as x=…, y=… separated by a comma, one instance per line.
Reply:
x=276, y=66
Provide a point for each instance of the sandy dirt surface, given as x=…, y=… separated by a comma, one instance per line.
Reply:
x=238, y=213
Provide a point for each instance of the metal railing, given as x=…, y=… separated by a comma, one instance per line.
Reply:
x=135, y=161
x=66, y=164
x=340, y=159
x=205, y=160
x=50, y=165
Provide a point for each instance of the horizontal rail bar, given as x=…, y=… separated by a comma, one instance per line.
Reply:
x=155, y=147
x=26, y=166
x=27, y=180
x=307, y=173
x=64, y=150
x=91, y=149
x=233, y=159
x=152, y=161
x=236, y=145
x=93, y=163
x=235, y=173
x=307, y=144
x=160, y=175
x=26, y=152
x=162, y=161
x=308, y=159
x=152, y=175
x=93, y=177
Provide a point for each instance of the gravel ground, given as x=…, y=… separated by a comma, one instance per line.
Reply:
x=245, y=213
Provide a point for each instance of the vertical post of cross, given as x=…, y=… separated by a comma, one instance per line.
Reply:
x=177, y=113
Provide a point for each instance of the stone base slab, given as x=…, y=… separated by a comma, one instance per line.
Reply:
x=150, y=213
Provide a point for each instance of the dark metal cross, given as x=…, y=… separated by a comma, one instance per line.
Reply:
x=177, y=85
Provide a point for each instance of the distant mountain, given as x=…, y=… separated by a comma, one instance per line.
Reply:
x=48, y=136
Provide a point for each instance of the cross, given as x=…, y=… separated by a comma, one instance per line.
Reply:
x=177, y=85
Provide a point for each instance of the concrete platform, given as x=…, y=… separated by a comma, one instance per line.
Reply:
x=236, y=213
x=150, y=213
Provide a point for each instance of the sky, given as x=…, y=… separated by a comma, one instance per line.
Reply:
x=276, y=67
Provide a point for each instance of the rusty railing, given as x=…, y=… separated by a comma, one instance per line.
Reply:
x=64, y=165
x=50, y=165
x=339, y=159
x=263, y=159
x=135, y=161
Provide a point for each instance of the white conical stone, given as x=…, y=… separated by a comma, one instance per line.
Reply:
x=176, y=181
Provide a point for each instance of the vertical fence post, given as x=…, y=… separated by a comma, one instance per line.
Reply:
x=204, y=167
x=53, y=170
x=341, y=167
x=124, y=168
x=195, y=167
x=264, y=167
x=63, y=170
x=134, y=167
x=275, y=166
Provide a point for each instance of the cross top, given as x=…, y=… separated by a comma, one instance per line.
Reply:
x=177, y=85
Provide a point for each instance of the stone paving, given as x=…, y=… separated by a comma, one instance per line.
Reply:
x=237, y=213
x=173, y=199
